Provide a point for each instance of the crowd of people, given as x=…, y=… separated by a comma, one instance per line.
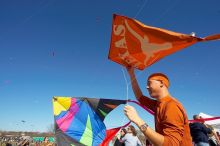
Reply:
x=24, y=141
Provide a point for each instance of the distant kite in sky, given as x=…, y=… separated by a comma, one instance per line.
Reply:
x=79, y=121
x=138, y=45
x=97, y=19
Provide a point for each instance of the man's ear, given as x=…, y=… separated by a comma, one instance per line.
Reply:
x=162, y=84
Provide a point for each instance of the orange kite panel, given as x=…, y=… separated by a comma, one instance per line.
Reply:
x=138, y=45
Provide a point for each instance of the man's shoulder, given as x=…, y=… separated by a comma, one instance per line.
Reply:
x=173, y=101
x=174, y=105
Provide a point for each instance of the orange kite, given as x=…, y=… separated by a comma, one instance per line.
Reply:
x=138, y=45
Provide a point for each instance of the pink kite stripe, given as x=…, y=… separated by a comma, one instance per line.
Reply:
x=66, y=120
x=204, y=119
x=144, y=107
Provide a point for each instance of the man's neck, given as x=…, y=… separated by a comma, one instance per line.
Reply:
x=163, y=94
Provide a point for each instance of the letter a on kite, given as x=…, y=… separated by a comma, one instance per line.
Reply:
x=138, y=45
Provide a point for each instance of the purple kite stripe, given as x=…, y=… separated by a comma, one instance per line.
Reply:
x=65, y=121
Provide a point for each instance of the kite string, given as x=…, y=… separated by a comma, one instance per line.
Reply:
x=127, y=87
x=137, y=76
x=160, y=17
x=145, y=2
x=28, y=18
x=126, y=81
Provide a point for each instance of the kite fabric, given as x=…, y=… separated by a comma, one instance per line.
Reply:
x=138, y=45
x=79, y=120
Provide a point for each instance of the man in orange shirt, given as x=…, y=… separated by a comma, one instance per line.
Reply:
x=171, y=122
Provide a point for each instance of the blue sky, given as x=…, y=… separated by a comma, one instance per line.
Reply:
x=60, y=48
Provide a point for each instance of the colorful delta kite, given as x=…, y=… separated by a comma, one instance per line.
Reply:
x=138, y=45
x=79, y=121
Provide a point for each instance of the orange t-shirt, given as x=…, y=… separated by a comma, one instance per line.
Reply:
x=170, y=120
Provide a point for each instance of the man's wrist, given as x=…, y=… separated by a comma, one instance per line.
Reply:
x=139, y=122
x=143, y=127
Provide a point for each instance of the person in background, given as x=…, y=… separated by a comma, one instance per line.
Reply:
x=122, y=134
x=199, y=132
x=213, y=137
x=131, y=139
x=46, y=142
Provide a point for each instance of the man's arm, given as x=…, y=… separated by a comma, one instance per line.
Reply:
x=146, y=101
x=134, y=83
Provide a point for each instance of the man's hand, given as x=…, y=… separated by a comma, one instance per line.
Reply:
x=156, y=138
x=130, y=70
x=118, y=136
x=132, y=115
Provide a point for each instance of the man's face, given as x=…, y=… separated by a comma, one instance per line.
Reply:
x=154, y=87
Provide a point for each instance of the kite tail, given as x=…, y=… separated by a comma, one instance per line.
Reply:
x=110, y=134
x=211, y=38
x=204, y=119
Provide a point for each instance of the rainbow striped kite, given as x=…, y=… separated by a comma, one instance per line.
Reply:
x=79, y=120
